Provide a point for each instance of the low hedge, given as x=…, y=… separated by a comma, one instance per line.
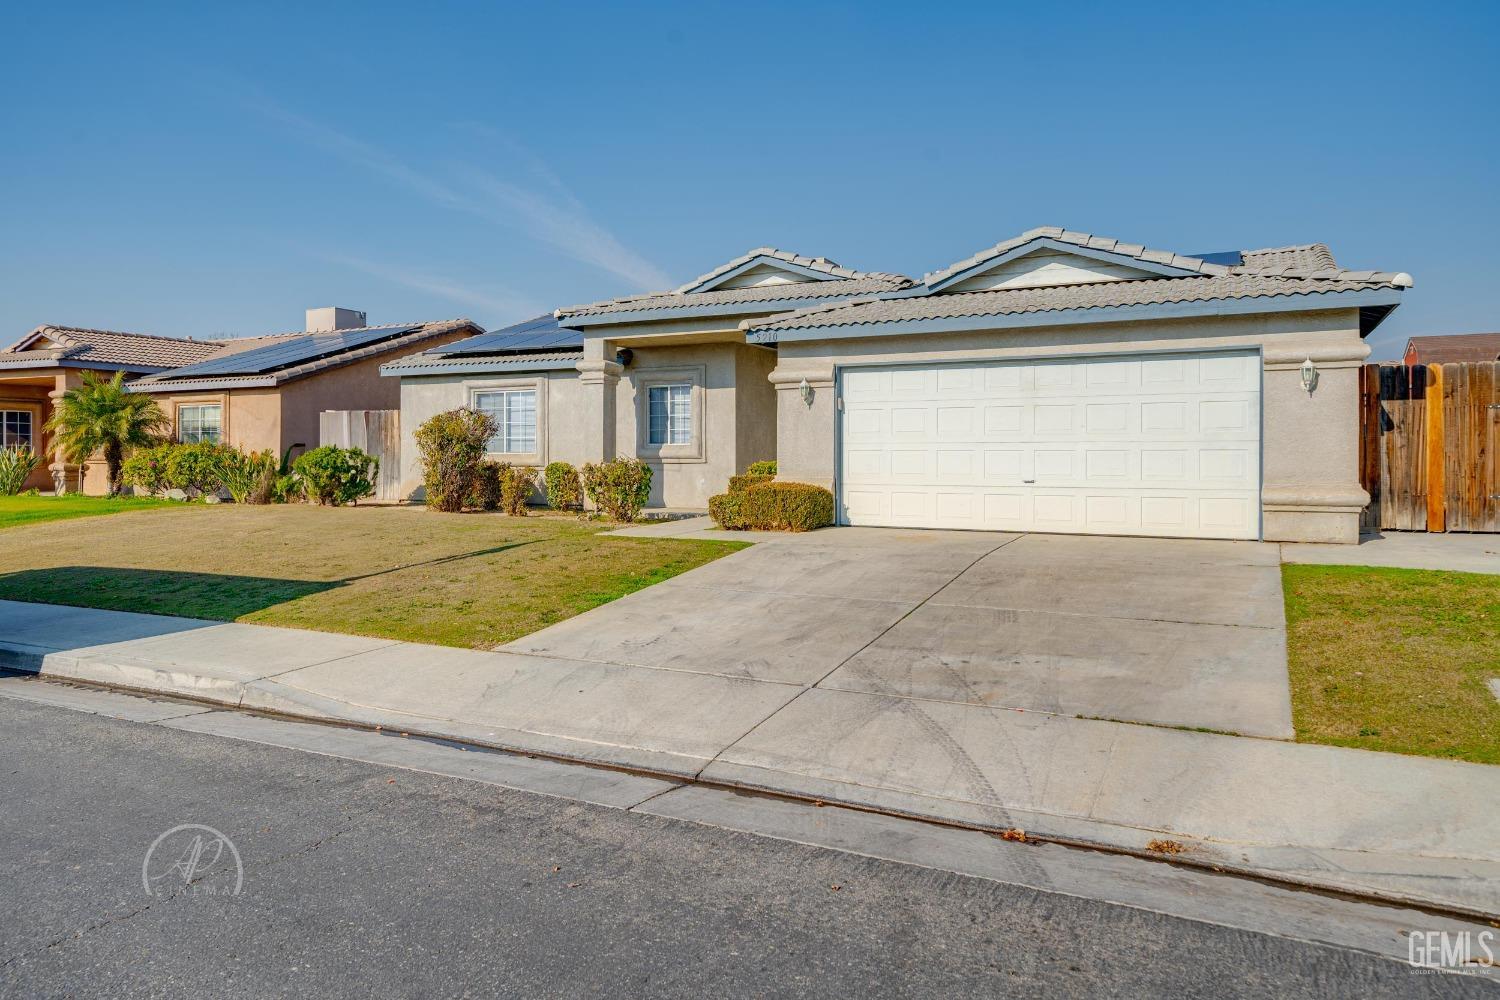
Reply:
x=758, y=503
x=787, y=507
x=762, y=468
x=516, y=486
x=727, y=510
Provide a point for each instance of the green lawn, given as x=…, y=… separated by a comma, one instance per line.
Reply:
x=1395, y=659
x=475, y=580
x=19, y=510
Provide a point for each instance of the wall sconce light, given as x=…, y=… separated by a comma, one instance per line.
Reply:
x=806, y=391
x=1309, y=376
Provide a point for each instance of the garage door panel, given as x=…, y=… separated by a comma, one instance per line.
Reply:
x=1164, y=445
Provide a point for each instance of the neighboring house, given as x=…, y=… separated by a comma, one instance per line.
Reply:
x=1056, y=382
x=1454, y=347
x=252, y=392
x=50, y=360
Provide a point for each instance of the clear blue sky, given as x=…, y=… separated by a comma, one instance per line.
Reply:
x=207, y=171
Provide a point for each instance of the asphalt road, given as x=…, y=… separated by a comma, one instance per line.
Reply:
x=361, y=879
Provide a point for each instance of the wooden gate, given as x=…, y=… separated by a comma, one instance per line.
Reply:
x=377, y=432
x=1430, y=446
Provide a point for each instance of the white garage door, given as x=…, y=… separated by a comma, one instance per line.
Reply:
x=1165, y=444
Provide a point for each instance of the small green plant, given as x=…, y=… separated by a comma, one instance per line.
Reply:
x=564, y=488
x=452, y=445
x=198, y=468
x=334, y=476
x=486, y=492
x=762, y=468
x=251, y=478
x=517, y=483
x=619, y=487
x=16, y=466
x=146, y=469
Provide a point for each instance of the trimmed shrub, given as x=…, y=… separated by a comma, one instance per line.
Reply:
x=564, y=488
x=517, y=483
x=762, y=468
x=16, y=466
x=146, y=469
x=452, y=446
x=251, y=478
x=198, y=468
x=619, y=487
x=739, y=484
x=727, y=510
x=333, y=476
x=787, y=506
x=486, y=492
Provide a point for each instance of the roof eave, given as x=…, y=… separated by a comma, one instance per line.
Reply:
x=394, y=369
x=1387, y=298
x=751, y=308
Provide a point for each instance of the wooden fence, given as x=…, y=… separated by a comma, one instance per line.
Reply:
x=1430, y=446
x=377, y=432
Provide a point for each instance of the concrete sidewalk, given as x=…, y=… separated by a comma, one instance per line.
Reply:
x=1465, y=553
x=1401, y=828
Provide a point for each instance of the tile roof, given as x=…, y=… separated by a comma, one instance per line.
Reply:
x=1308, y=257
x=295, y=367
x=1455, y=347
x=429, y=363
x=1086, y=240
x=131, y=350
x=822, y=264
x=757, y=298
x=1141, y=291
x=1271, y=272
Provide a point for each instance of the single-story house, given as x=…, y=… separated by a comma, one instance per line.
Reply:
x=1452, y=348
x=1057, y=381
x=49, y=361
x=255, y=393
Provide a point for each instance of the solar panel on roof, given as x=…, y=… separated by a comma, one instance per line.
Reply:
x=285, y=353
x=542, y=333
x=1229, y=258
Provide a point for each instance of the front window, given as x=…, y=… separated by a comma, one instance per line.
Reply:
x=199, y=424
x=15, y=429
x=514, y=411
x=670, y=414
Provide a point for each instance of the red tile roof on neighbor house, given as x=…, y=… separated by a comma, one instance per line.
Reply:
x=107, y=347
x=1453, y=347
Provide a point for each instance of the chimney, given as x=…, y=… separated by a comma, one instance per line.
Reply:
x=331, y=318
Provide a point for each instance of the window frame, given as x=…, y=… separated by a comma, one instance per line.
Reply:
x=670, y=422
x=502, y=416
x=6, y=411
x=179, y=425
x=473, y=389
x=695, y=377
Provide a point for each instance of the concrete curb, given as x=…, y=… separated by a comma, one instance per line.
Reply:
x=1394, y=879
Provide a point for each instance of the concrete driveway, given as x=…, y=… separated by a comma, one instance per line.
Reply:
x=1164, y=631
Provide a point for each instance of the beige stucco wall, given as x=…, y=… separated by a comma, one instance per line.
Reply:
x=734, y=414
x=560, y=432
x=1310, y=443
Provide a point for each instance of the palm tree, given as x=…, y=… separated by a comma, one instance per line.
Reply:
x=99, y=416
